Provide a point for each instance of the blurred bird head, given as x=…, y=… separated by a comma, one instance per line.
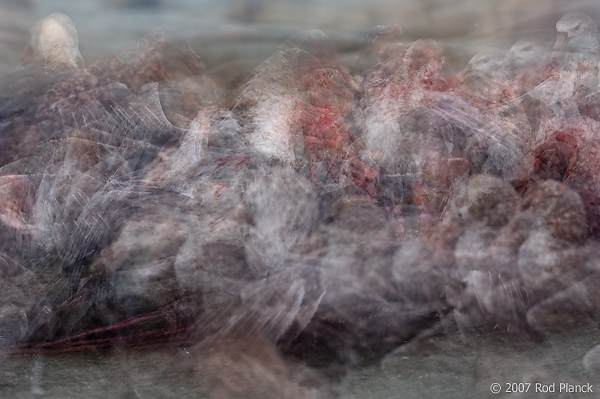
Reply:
x=525, y=52
x=381, y=33
x=424, y=61
x=485, y=68
x=577, y=36
x=54, y=44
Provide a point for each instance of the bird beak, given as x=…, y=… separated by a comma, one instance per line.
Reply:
x=560, y=47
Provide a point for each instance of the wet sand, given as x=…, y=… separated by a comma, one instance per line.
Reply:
x=439, y=367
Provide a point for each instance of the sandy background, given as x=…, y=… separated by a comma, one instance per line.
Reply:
x=242, y=33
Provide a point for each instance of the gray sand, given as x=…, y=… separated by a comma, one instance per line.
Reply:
x=439, y=367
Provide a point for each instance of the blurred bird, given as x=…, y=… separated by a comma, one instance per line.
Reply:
x=295, y=110
x=576, y=44
x=526, y=52
x=577, y=37
x=378, y=43
x=235, y=367
x=54, y=45
x=488, y=75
